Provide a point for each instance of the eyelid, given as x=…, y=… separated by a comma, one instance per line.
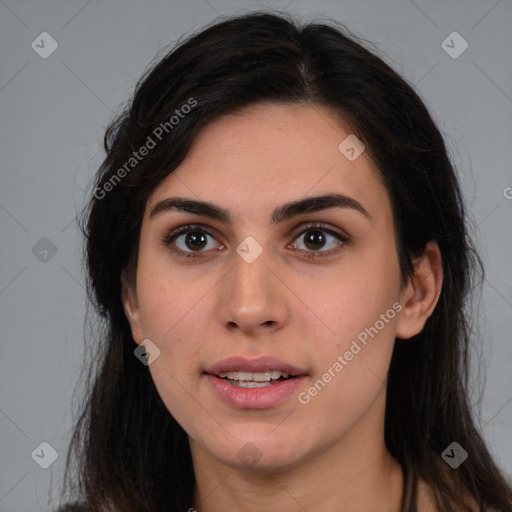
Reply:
x=321, y=226
x=185, y=229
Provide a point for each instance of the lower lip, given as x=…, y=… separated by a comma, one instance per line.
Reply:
x=255, y=398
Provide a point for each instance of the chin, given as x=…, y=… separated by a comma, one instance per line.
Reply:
x=261, y=454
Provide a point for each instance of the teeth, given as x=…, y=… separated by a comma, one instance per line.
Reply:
x=247, y=376
x=254, y=376
x=244, y=384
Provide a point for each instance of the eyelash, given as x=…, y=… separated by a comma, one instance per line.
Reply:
x=168, y=239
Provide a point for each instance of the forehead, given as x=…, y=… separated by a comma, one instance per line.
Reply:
x=269, y=154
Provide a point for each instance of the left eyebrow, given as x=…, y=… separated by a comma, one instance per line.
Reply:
x=281, y=213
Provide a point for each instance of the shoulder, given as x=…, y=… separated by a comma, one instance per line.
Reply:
x=427, y=501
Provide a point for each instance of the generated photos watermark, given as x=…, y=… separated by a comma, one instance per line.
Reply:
x=343, y=360
x=137, y=156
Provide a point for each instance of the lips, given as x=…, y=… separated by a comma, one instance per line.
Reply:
x=254, y=384
x=259, y=365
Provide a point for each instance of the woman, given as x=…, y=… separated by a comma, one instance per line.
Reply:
x=276, y=245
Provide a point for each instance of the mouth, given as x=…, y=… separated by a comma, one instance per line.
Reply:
x=255, y=383
x=254, y=379
x=265, y=370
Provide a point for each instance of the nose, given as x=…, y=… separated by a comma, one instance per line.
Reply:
x=253, y=298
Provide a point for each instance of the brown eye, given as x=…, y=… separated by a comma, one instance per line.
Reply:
x=195, y=240
x=314, y=238
x=190, y=241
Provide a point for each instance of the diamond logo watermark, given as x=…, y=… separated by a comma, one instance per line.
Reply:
x=351, y=147
x=249, y=455
x=454, y=45
x=44, y=455
x=44, y=250
x=249, y=249
x=44, y=45
x=454, y=455
x=147, y=352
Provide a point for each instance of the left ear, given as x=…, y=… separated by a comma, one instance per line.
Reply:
x=420, y=296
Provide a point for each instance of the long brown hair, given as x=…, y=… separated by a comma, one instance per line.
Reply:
x=130, y=453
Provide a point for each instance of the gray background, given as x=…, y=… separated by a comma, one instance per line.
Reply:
x=53, y=113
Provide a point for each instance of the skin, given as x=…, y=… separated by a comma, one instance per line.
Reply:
x=328, y=454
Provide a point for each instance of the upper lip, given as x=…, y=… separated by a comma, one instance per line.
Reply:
x=260, y=364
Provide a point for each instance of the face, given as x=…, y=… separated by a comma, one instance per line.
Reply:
x=269, y=280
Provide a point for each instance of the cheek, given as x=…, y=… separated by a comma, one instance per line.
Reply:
x=178, y=392
x=173, y=318
x=349, y=376
x=169, y=299
x=174, y=321
x=354, y=300
x=353, y=352
x=361, y=335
